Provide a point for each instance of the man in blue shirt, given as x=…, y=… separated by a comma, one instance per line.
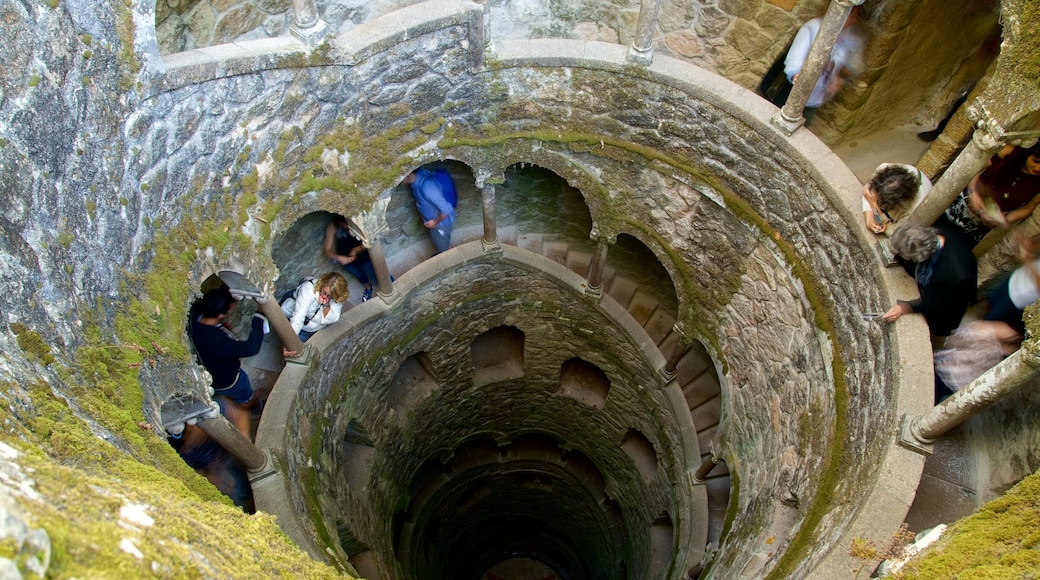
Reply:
x=220, y=351
x=436, y=211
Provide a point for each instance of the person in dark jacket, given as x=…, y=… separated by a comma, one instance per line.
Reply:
x=946, y=272
x=218, y=349
x=203, y=454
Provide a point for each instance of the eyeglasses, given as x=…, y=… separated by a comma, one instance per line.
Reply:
x=325, y=293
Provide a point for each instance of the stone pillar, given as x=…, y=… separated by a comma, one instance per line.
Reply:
x=182, y=410
x=306, y=26
x=789, y=118
x=479, y=35
x=642, y=49
x=386, y=286
x=223, y=432
x=283, y=330
x=594, y=287
x=919, y=432
x=705, y=469
x=681, y=346
x=487, y=200
x=241, y=287
x=968, y=163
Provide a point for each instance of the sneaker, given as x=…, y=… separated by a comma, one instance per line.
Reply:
x=366, y=294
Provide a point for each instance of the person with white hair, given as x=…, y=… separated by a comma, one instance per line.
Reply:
x=946, y=272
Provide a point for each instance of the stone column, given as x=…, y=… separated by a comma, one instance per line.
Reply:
x=306, y=26
x=242, y=287
x=386, y=286
x=968, y=163
x=223, y=432
x=705, y=469
x=919, y=432
x=789, y=118
x=594, y=287
x=179, y=411
x=681, y=346
x=283, y=330
x=487, y=200
x=642, y=49
x=479, y=35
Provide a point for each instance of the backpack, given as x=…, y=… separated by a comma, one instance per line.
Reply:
x=447, y=185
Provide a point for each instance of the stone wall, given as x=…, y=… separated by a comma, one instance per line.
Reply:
x=441, y=318
x=902, y=82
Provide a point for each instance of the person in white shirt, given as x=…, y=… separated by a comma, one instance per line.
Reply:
x=845, y=60
x=1011, y=295
x=891, y=193
x=314, y=304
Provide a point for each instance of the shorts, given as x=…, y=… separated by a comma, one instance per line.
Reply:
x=240, y=392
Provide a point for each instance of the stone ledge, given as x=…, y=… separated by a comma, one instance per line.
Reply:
x=350, y=48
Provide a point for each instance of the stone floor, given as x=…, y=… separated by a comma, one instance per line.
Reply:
x=896, y=145
x=947, y=491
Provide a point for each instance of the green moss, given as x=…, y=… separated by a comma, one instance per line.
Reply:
x=8, y=548
x=32, y=344
x=431, y=128
x=86, y=38
x=123, y=201
x=289, y=136
x=998, y=541
x=34, y=79
x=87, y=54
x=81, y=515
x=126, y=54
x=65, y=239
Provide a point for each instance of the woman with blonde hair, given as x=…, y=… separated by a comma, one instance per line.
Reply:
x=314, y=304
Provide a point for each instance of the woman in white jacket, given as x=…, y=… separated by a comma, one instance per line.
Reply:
x=315, y=304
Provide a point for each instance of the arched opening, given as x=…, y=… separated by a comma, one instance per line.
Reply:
x=412, y=383
x=584, y=382
x=642, y=453
x=539, y=211
x=497, y=355
x=407, y=242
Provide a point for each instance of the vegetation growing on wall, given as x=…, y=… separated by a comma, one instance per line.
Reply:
x=998, y=541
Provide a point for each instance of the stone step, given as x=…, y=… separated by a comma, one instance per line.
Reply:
x=701, y=389
x=530, y=242
x=508, y=235
x=622, y=289
x=707, y=414
x=642, y=307
x=555, y=251
x=659, y=325
x=579, y=262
